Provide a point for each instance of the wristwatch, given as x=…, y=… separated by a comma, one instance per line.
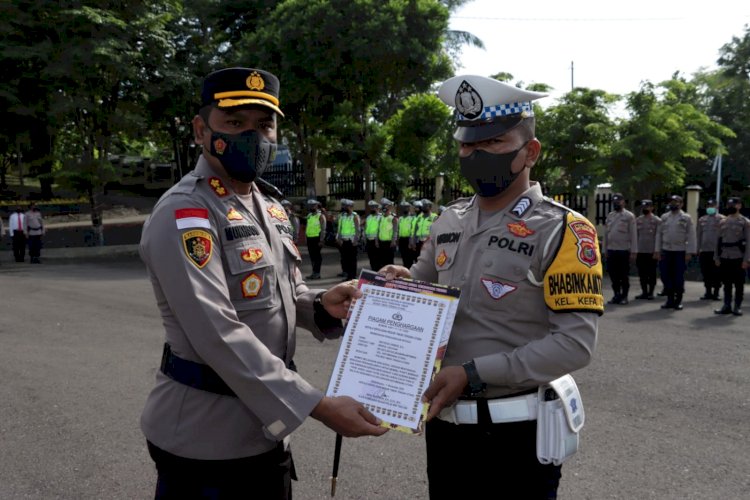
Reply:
x=475, y=385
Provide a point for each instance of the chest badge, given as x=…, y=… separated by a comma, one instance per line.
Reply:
x=252, y=255
x=519, y=229
x=218, y=187
x=441, y=259
x=496, y=289
x=198, y=247
x=251, y=286
x=277, y=213
x=587, y=241
x=234, y=215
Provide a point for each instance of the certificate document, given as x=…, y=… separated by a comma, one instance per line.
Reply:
x=395, y=337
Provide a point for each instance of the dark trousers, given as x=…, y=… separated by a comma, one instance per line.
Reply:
x=672, y=267
x=733, y=276
x=618, y=266
x=710, y=273
x=373, y=254
x=35, y=247
x=646, y=265
x=387, y=253
x=407, y=254
x=486, y=460
x=316, y=258
x=19, y=246
x=418, y=250
x=268, y=475
x=348, y=258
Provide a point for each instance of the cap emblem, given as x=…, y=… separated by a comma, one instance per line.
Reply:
x=220, y=146
x=255, y=81
x=468, y=101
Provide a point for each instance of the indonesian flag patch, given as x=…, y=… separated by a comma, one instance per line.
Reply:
x=198, y=247
x=187, y=218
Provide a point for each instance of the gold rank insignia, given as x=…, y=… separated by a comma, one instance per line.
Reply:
x=234, y=215
x=519, y=229
x=218, y=186
x=277, y=213
x=255, y=81
x=251, y=286
x=441, y=259
x=198, y=247
x=252, y=255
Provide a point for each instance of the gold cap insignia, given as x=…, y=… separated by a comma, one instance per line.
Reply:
x=255, y=81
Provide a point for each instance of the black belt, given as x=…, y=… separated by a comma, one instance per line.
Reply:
x=735, y=244
x=195, y=375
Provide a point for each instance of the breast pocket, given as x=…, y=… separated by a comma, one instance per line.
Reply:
x=251, y=275
x=501, y=280
x=445, y=260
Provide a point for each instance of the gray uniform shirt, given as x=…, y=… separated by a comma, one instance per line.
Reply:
x=34, y=223
x=620, y=231
x=224, y=272
x=676, y=233
x=503, y=322
x=732, y=230
x=647, y=227
x=707, y=232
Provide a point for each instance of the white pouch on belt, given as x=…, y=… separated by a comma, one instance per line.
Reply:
x=559, y=418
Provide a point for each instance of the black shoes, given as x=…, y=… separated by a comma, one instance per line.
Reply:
x=313, y=276
x=726, y=309
x=737, y=311
x=643, y=296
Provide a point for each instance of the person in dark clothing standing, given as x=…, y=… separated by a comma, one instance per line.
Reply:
x=707, y=235
x=646, y=226
x=733, y=256
x=620, y=245
x=17, y=233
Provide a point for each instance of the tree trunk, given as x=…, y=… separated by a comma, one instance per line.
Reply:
x=97, y=224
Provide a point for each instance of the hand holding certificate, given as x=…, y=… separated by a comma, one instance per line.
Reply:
x=395, y=338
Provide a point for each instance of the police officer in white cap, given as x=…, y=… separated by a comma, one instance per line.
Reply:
x=347, y=238
x=315, y=229
x=387, y=233
x=530, y=275
x=370, y=230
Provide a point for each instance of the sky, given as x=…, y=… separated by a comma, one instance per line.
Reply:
x=612, y=45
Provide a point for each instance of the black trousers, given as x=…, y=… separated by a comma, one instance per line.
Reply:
x=710, y=272
x=618, y=266
x=316, y=258
x=646, y=265
x=371, y=247
x=733, y=276
x=348, y=259
x=265, y=476
x=486, y=460
x=407, y=254
x=387, y=253
x=672, y=266
x=35, y=246
x=19, y=246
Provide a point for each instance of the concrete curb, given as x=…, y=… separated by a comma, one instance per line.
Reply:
x=81, y=253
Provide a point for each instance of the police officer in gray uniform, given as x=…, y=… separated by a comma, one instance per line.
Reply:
x=733, y=256
x=530, y=275
x=707, y=235
x=225, y=273
x=675, y=246
x=647, y=224
x=620, y=245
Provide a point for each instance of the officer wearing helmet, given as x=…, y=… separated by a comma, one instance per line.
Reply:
x=315, y=229
x=422, y=226
x=530, y=275
x=293, y=219
x=387, y=234
x=406, y=221
x=371, y=227
x=347, y=238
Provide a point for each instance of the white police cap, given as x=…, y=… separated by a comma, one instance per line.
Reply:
x=485, y=107
x=417, y=203
x=312, y=201
x=345, y=202
x=385, y=201
x=372, y=203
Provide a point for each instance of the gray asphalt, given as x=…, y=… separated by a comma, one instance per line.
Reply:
x=80, y=339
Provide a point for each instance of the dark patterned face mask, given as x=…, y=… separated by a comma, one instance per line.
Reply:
x=489, y=173
x=244, y=156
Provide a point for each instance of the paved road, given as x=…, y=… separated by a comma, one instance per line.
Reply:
x=666, y=398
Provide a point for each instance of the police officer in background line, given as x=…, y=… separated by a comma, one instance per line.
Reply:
x=620, y=246
x=422, y=226
x=372, y=225
x=521, y=322
x=315, y=230
x=406, y=223
x=707, y=234
x=733, y=256
x=387, y=233
x=34, y=231
x=225, y=273
x=293, y=219
x=647, y=225
x=675, y=246
x=347, y=238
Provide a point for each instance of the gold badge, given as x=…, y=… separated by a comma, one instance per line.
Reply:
x=217, y=186
x=252, y=255
x=277, y=213
x=441, y=259
x=251, y=286
x=198, y=247
x=234, y=215
x=519, y=229
x=255, y=81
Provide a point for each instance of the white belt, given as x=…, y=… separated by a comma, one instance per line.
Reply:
x=515, y=409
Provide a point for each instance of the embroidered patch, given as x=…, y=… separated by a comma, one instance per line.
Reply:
x=522, y=206
x=519, y=229
x=218, y=186
x=251, y=286
x=192, y=217
x=198, y=246
x=252, y=255
x=234, y=215
x=496, y=289
x=277, y=213
x=220, y=145
x=441, y=259
x=587, y=242
x=448, y=238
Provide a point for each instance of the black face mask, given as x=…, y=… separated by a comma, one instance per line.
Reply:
x=646, y=211
x=489, y=173
x=674, y=208
x=405, y=213
x=732, y=210
x=244, y=156
x=618, y=206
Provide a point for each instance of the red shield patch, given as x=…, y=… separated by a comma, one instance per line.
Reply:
x=587, y=242
x=198, y=246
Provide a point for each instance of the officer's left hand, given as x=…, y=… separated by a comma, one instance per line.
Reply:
x=338, y=299
x=448, y=385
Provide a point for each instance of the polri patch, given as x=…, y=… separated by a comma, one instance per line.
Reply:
x=277, y=213
x=198, y=246
x=218, y=187
x=519, y=229
x=587, y=242
x=251, y=286
x=252, y=255
x=234, y=215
